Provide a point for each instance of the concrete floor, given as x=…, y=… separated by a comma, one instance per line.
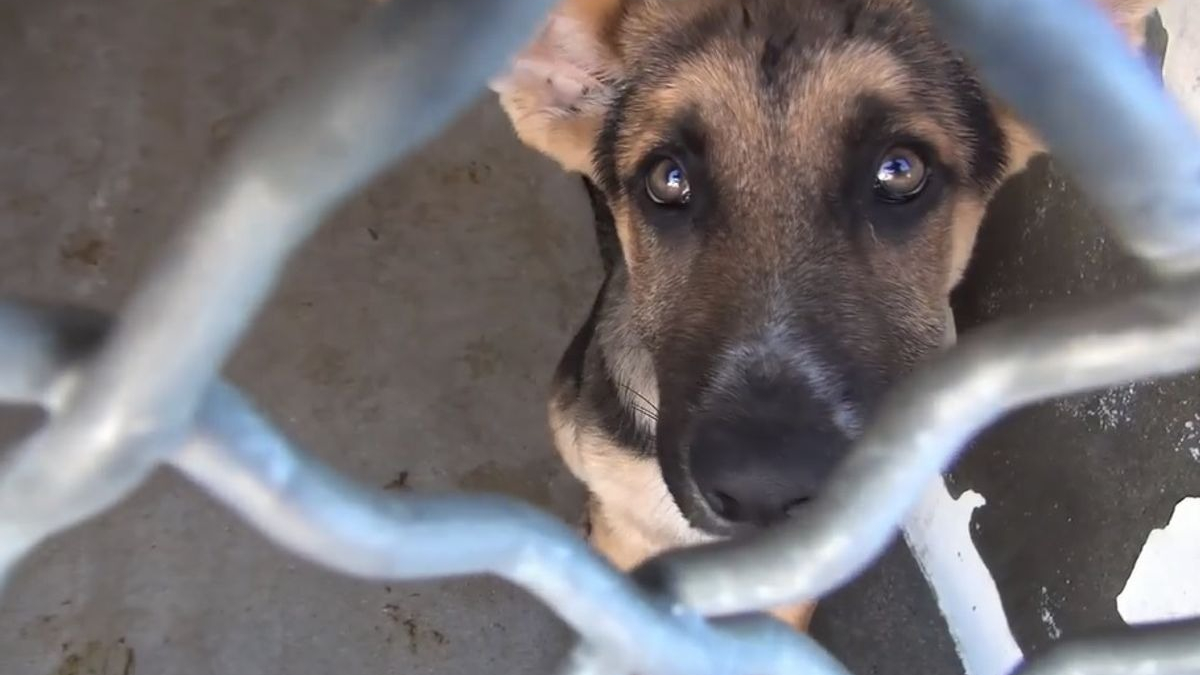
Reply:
x=414, y=336
x=410, y=343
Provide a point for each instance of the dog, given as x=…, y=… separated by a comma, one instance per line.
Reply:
x=785, y=194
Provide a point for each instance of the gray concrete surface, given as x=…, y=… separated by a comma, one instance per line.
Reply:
x=409, y=346
x=413, y=337
x=410, y=342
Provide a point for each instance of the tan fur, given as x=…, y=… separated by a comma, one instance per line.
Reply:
x=630, y=514
x=968, y=213
x=628, y=494
x=629, y=241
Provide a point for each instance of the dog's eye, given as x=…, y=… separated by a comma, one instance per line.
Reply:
x=901, y=175
x=667, y=183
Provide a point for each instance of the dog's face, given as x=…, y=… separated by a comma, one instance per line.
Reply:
x=796, y=186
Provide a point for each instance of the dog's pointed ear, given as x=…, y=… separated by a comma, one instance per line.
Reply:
x=1130, y=17
x=557, y=90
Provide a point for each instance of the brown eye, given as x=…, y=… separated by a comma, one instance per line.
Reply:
x=901, y=175
x=667, y=184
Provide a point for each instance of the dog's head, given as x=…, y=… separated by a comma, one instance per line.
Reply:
x=796, y=186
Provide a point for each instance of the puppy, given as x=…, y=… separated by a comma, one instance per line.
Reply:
x=786, y=192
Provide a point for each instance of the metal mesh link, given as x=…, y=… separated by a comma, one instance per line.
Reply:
x=129, y=395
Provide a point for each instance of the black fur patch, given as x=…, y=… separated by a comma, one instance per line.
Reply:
x=989, y=145
x=606, y=229
x=604, y=155
x=583, y=382
x=583, y=378
x=770, y=63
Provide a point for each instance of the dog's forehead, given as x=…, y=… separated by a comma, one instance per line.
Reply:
x=829, y=90
x=780, y=79
x=649, y=30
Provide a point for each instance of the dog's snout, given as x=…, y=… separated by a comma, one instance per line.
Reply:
x=773, y=423
x=759, y=467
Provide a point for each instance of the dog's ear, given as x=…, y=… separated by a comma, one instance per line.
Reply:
x=1130, y=18
x=557, y=90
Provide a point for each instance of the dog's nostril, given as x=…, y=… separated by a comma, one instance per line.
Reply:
x=794, y=508
x=722, y=504
x=758, y=503
x=753, y=473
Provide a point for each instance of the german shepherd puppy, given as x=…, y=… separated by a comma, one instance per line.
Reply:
x=786, y=192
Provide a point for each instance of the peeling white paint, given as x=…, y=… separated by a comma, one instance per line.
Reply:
x=1052, y=629
x=1181, y=68
x=1164, y=583
x=939, y=534
x=1189, y=438
x=1108, y=410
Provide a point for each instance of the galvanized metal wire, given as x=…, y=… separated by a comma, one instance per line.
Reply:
x=129, y=395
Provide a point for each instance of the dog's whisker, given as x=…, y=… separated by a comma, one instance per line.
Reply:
x=641, y=397
x=648, y=413
x=640, y=403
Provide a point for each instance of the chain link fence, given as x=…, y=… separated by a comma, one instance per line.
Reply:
x=129, y=395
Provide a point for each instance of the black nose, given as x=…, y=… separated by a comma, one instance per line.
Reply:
x=758, y=472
